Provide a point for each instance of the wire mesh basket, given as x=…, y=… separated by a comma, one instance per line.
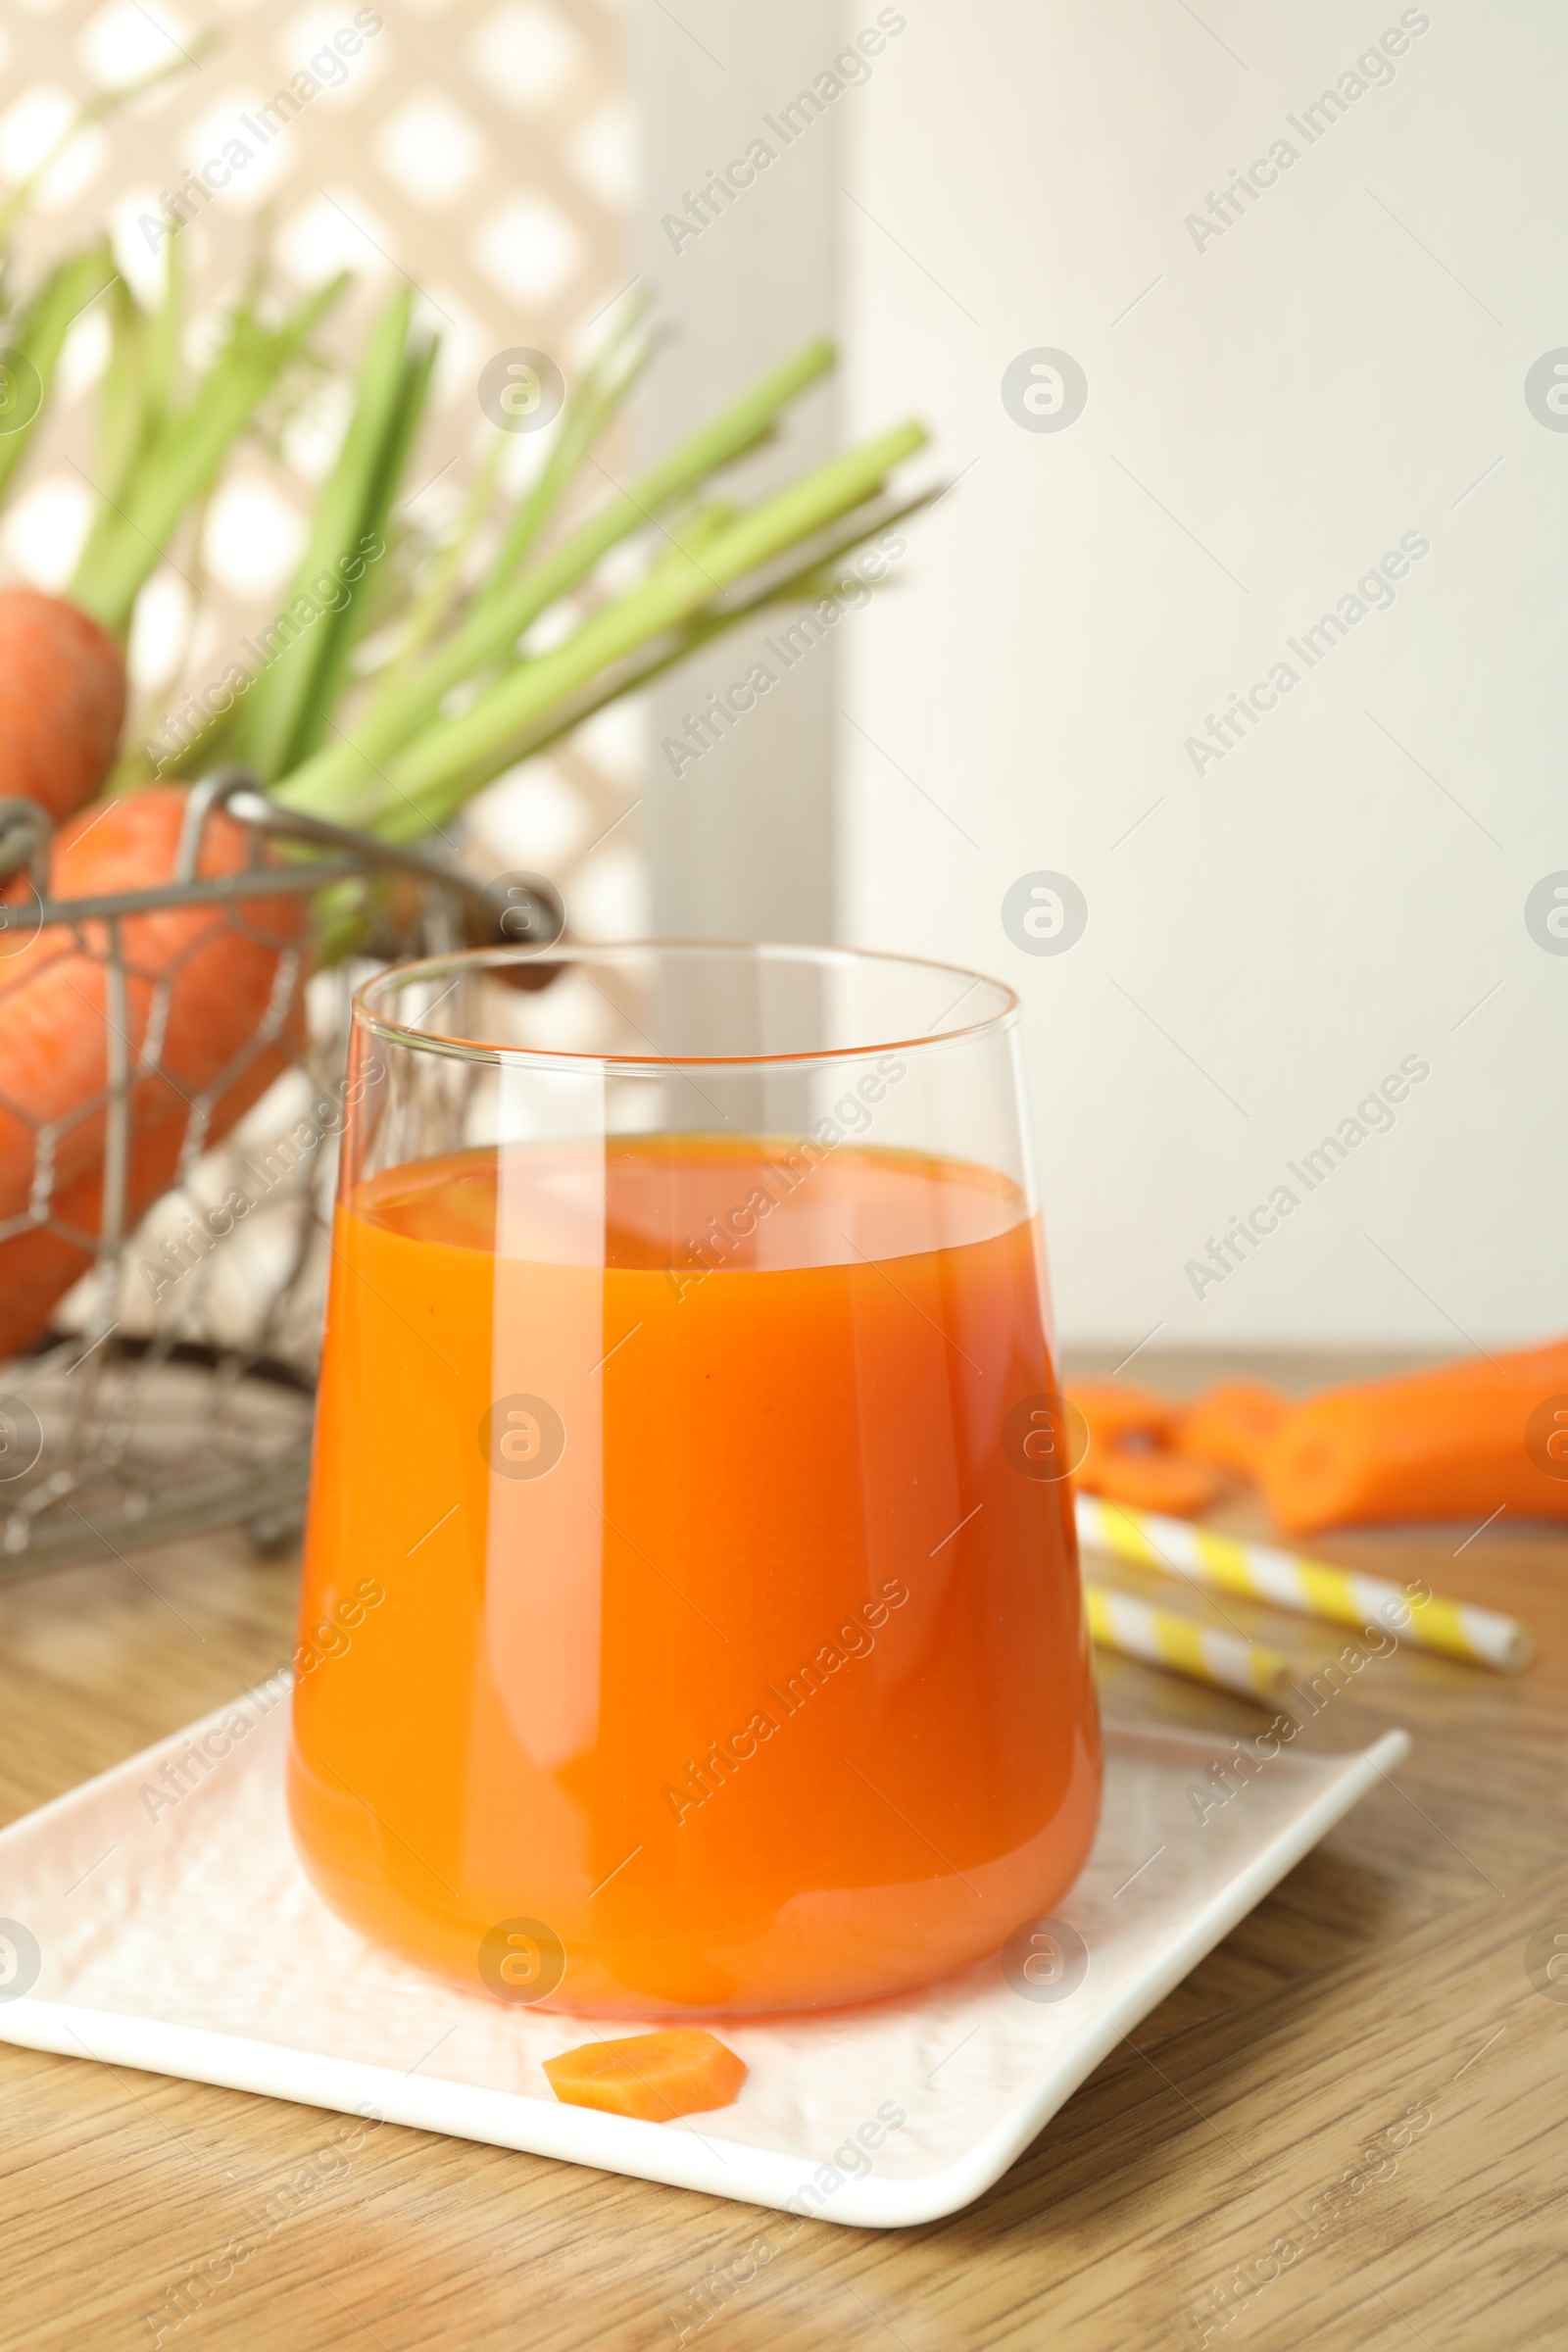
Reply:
x=165, y=1234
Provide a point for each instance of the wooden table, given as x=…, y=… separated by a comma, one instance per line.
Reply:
x=1387, y=1974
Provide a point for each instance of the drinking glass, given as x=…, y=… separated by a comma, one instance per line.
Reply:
x=690, y=1619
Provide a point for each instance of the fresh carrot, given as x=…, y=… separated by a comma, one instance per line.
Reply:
x=1130, y=1458
x=39, y=1264
x=1467, y=1441
x=197, y=990
x=1230, y=1424
x=654, y=2077
x=62, y=699
x=207, y=999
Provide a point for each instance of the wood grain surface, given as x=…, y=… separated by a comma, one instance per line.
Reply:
x=1348, y=2128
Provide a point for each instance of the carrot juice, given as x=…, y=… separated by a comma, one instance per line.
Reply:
x=677, y=1612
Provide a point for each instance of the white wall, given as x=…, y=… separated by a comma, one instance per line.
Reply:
x=1340, y=890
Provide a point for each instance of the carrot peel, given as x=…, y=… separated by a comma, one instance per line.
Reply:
x=654, y=2077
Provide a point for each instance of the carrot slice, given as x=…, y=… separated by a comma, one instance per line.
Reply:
x=1463, y=1442
x=1117, y=1409
x=1230, y=1425
x=1129, y=1458
x=654, y=2077
x=1148, y=1481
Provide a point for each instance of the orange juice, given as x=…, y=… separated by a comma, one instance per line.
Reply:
x=670, y=1586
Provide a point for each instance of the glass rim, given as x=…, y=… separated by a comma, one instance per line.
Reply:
x=462, y=960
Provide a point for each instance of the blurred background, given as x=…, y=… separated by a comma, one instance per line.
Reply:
x=1225, y=322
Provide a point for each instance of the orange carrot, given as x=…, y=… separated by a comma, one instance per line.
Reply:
x=197, y=990
x=1119, y=1410
x=1129, y=1458
x=39, y=1264
x=62, y=701
x=1464, y=1441
x=1230, y=1424
x=654, y=2077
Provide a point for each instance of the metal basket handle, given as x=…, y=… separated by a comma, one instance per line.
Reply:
x=520, y=910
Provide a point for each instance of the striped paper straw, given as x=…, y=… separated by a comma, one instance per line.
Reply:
x=1311, y=1587
x=1227, y=1662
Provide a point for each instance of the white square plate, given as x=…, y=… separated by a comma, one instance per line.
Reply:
x=194, y=1945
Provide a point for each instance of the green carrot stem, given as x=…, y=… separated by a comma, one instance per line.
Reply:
x=430, y=608
x=589, y=410
x=809, y=577
x=164, y=331
x=453, y=758
x=357, y=617
x=337, y=779
x=404, y=821
x=39, y=337
x=277, y=703
x=123, y=421
x=122, y=403
x=184, y=457
x=340, y=914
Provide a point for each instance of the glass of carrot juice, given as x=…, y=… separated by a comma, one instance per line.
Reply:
x=691, y=1621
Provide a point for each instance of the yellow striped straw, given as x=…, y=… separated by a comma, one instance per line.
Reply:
x=1311, y=1587
x=1227, y=1662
